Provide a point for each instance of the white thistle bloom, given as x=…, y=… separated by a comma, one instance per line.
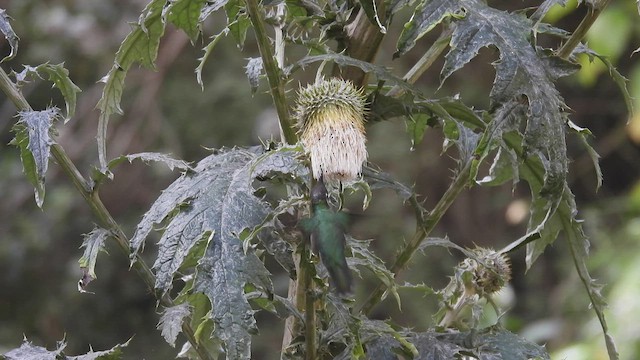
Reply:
x=331, y=120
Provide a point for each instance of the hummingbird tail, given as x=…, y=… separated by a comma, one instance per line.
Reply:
x=340, y=277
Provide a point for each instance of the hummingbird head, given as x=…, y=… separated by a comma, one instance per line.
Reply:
x=319, y=192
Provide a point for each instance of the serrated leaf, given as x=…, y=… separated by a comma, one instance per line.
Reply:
x=428, y=345
x=426, y=16
x=93, y=243
x=543, y=8
x=371, y=10
x=185, y=14
x=9, y=34
x=28, y=351
x=380, y=180
x=497, y=343
x=618, y=78
x=253, y=70
x=380, y=72
x=59, y=76
x=207, y=51
x=140, y=46
x=582, y=134
x=416, y=127
x=34, y=141
x=579, y=245
x=520, y=71
x=217, y=197
x=211, y=7
x=361, y=256
x=549, y=218
x=170, y=323
x=115, y=353
x=503, y=168
x=148, y=157
x=238, y=21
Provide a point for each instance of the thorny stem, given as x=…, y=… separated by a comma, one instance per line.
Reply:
x=103, y=216
x=596, y=8
x=309, y=301
x=424, y=229
x=425, y=62
x=274, y=73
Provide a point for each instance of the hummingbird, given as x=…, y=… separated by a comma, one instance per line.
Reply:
x=327, y=230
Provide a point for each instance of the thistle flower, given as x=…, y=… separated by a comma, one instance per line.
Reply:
x=494, y=271
x=331, y=122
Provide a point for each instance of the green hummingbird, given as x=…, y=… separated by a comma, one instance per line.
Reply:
x=327, y=230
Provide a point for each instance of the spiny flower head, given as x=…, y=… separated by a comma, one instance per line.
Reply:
x=492, y=270
x=331, y=122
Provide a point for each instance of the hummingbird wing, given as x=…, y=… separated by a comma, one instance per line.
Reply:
x=329, y=238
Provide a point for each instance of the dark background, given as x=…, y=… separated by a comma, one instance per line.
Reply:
x=167, y=111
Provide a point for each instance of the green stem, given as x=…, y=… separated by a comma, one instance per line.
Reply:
x=424, y=229
x=104, y=218
x=596, y=8
x=425, y=61
x=309, y=301
x=274, y=73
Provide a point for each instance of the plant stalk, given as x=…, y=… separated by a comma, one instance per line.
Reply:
x=595, y=9
x=425, y=61
x=100, y=212
x=423, y=230
x=363, y=43
x=274, y=73
x=309, y=301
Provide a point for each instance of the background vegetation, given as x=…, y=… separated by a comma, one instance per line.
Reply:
x=167, y=111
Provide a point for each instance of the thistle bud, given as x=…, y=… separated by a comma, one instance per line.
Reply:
x=493, y=272
x=331, y=122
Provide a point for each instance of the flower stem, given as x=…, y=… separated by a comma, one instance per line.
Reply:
x=595, y=9
x=423, y=230
x=274, y=73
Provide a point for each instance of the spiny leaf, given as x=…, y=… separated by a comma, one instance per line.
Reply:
x=494, y=343
x=376, y=179
x=140, y=46
x=238, y=21
x=217, y=198
x=148, y=157
x=426, y=16
x=579, y=245
x=115, y=353
x=185, y=14
x=543, y=8
x=619, y=79
x=60, y=78
x=34, y=141
x=170, y=323
x=211, y=7
x=9, y=34
x=254, y=70
x=207, y=51
x=549, y=218
x=582, y=134
x=361, y=256
x=428, y=345
x=93, y=243
x=520, y=72
x=380, y=72
x=371, y=10
x=28, y=351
